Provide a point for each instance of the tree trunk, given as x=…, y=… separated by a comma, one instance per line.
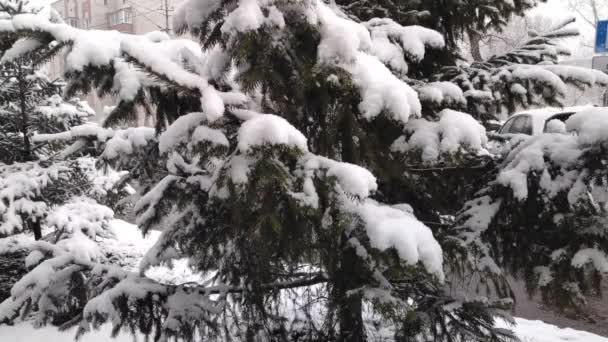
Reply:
x=348, y=154
x=475, y=39
x=351, y=321
x=36, y=227
x=350, y=311
x=347, y=275
x=27, y=148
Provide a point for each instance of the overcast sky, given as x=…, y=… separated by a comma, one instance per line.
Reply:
x=558, y=7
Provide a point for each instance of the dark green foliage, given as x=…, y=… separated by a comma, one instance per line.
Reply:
x=13, y=268
x=554, y=223
x=21, y=90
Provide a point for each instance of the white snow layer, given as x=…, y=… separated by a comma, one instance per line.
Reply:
x=118, y=142
x=360, y=48
x=442, y=92
x=352, y=179
x=389, y=227
x=81, y=214
x=588, y=127
x=99, y=48
x=178, y=131
x=381, y=90
x=526, y=330
x=272, y=130
x=591, y=125
x=454, y=131
x=20, y=184
x=538, y=331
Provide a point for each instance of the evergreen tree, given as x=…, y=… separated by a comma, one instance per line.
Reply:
x=31, y=103
x=299, y=240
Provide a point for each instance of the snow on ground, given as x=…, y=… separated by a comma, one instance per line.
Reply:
x=130, y=246
x=129, y=240
x=26, y=333
x=528, y=331
x=538, y=331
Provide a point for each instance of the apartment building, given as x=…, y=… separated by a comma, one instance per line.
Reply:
x=129, y=16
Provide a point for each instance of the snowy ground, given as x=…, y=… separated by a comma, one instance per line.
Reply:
x=528, y=331
x=130, y=239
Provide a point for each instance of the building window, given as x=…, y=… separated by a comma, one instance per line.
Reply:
x=122, y=16
x=72, y=21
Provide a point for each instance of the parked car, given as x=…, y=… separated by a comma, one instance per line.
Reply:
x=529, y=123
x=534, y=122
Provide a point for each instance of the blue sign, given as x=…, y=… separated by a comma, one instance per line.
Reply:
x=601, y=38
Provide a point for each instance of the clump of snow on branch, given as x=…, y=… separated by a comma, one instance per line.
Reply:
x=56, y=109
x=179, y=131
x=81, y=214
x=360, y=48
x=146, y=206
x=214, y=136
x=382, y=91
x=272, y=130
x=596, y=258
x=455, y=131
x=352, y=179
x=118, y=142
x=20, y=186
x=412, y=42
x=100, y=48
x=441, y=93
x=190, y=128
x=363, y=51
x=389, y=227
x=530, y=156
x=590, y=125
x=21, y=46
x=588, y=128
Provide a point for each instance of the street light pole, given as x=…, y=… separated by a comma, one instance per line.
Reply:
x=166, y=5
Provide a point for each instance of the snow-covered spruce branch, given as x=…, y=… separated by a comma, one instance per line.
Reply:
x=550, y=183
x=163, y=74
x=302, y=281
x=488, y=165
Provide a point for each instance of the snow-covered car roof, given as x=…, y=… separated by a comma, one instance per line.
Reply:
x=540, y=115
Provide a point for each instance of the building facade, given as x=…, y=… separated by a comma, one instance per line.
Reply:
x=129, y=16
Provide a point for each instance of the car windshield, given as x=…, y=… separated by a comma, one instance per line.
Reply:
x=521, y=124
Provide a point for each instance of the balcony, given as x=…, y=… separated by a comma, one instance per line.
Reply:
x=121, y=20
x=72, y=21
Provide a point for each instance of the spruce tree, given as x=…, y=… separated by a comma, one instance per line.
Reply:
x=298, y=239
x=32, y=103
